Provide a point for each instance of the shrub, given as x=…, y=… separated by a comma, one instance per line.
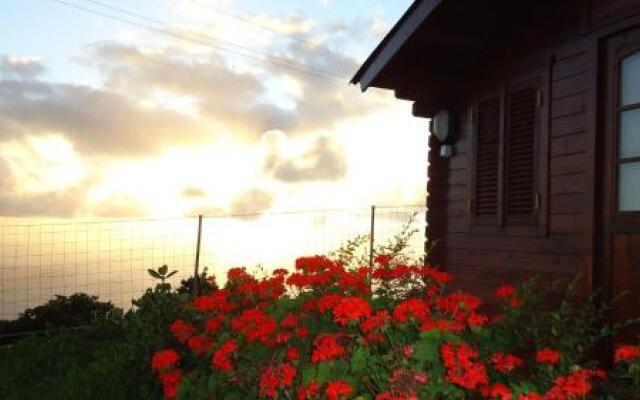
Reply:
x=107, y=359
x=326, y=331
x=72, y=311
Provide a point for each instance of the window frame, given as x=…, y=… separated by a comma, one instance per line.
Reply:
x=623, y=221
x=537, y=223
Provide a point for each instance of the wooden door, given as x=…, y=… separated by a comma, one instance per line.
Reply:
x=621, y=176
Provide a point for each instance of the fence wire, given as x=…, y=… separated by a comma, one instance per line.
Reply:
x=110, y=259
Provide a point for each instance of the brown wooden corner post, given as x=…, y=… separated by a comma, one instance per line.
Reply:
x=196, y=280
x=372, y=235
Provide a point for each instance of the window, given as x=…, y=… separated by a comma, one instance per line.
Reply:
x=628, y=159
x=505, y=178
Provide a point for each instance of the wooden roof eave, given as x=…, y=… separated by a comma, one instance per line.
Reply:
x=384, y=53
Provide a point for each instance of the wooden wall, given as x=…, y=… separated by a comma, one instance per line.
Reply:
x=483, y=260
x=571, y=240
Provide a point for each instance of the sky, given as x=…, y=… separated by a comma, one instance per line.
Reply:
x=213, y=107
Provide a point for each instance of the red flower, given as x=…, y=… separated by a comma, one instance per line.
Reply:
x=200, y=345
x=314, y=264
x=170, y=383
x=338, y=389
x=212, y=325
x=444, y=325
x=578, y=383
x=221, y=358
x=274, y=378
x=292, y=354
x=290, y=321
x=255, y=325
x=327, y=347
x=530, y=396
x=327, y=302
x=408, y=351
x=497, y=391
x=375, y=321
x=505, y=362
x=440, y=277
x=411, y=308
x=383, y=259
x=216, y=301
x=627, y=353
x=461, y=367
x=475, y=319
x=239, y=275
x=164, y=359
x=509, y=293
x=309, y=391
x=399, y=271
x=460, y=305
x=548, y=356
x=351, y=309
x=182, y=330
x=505, y=291
x=302, y=332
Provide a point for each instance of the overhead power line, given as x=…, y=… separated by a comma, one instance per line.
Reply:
x=216, y=44
x=249, y=21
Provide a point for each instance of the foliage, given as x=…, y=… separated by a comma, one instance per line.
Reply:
x=76, y=310
x=206, y=284
x=105, y=360
x=327, y=331
x=161, y=273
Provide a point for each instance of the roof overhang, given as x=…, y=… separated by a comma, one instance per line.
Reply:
x=412, y=19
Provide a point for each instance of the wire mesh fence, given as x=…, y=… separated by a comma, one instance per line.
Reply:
x=110, y=259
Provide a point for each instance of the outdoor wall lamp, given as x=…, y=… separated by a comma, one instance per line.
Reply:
x=440, y=127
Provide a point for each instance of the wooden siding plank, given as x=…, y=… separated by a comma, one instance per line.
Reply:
x=516, y=261
x=568, y=125
x=567, y=225
x=570, y=144
x=571, y=164
x=570, y=86
x=550, y=245
x=566, y=184
x=501, y=275
x=568, y=204
x=569, y=105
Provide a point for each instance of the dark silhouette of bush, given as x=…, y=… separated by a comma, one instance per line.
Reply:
x=62, y=312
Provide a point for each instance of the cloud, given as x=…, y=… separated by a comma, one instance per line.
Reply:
x=96, y=121
x=323, y=161
x=50, y=203
x=20, y=68
x=251, y=203
x=242, y=100
x=119, y=206
x=193, y=192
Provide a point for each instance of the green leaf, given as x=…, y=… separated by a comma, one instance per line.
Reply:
x=360, y=359
x=324, y=373
x=154, y=274
x=433, y=334
x=172, y=273
x=163, y=270
x=308, y=374
x=427, y=350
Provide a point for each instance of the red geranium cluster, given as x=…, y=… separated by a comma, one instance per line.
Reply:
x=164, y=364
x=462, y=366
x=321, y=332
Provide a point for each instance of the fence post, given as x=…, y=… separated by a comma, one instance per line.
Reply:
x=196, y=280
x=372, y=239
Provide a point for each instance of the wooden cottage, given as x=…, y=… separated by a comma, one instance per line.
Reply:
x=537, y=108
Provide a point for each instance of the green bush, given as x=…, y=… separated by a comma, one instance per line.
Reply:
x=106, y=359
x=72, y=311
